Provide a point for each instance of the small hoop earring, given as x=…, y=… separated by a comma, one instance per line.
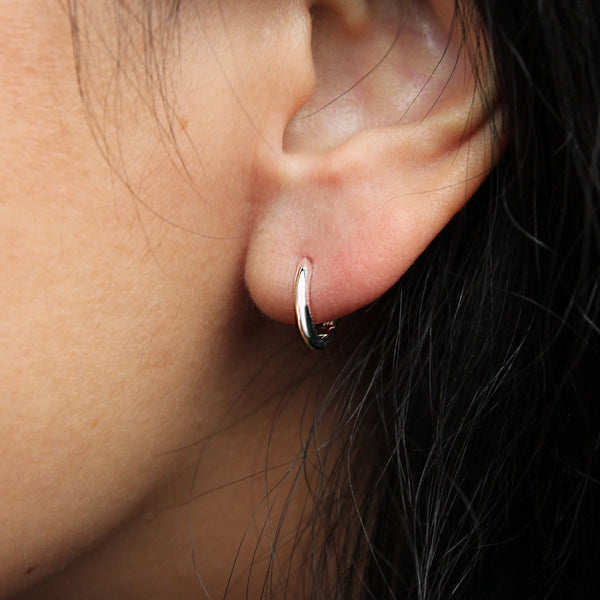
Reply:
x=317, y=336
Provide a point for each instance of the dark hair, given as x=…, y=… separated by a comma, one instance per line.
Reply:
x=470, y=405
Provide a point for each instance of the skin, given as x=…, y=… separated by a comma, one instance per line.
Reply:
x=117, y=328
x=152, y=416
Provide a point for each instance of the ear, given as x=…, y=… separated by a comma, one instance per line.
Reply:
x=393, y=141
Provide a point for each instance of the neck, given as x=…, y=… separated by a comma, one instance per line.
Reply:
x=231, y=518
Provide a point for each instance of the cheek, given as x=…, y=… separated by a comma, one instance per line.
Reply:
x=114, y=277
x=104, y=287
x=95, y=372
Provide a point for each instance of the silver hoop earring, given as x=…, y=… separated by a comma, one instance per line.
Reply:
x=317, y=336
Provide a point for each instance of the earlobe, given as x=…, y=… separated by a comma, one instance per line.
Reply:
x=360, y=187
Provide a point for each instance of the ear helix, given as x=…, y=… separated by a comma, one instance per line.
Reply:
x=317, y=336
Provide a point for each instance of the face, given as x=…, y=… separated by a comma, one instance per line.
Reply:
x=123, y=224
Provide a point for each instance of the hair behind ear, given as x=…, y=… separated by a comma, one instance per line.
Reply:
x=482, y=412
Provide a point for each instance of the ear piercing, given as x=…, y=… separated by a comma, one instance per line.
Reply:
x=317, y=336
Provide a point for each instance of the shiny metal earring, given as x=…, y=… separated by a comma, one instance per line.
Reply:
x=317, y=336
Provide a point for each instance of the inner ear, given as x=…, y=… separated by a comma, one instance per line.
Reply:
x=393, y=67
